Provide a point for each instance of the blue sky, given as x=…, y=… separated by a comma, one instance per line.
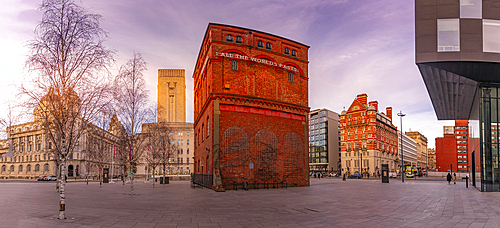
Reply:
x=360, y=46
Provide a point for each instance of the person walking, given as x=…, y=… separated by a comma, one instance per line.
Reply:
x=454, y=178
x=343, y=178
x=448, y=178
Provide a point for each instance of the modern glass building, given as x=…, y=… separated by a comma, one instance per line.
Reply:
x=324, y=141
x=457, y=45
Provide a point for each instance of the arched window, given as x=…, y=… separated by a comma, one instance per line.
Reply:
x=12, y=168
x=208, y=126
x=28, y=168
x=260, y=43
x=294, y=53
x=229, y=38
x=287, y=51
x=234, y=64
x=20, y=168
x=290, y=76
x=239, y=39
x=46, y=167
x=268, y=45
x=37, y=168
x=45, y=157
x=4, y=168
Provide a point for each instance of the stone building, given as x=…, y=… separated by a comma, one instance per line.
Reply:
x=410, y=150
x=431, y=159
x=251, y=107
x=421, y=141
x=33, y=151
x=172, y=113
x=368, y=138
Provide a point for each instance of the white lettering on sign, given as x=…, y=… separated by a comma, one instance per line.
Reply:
x=263, y=61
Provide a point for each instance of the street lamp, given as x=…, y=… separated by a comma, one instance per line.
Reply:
x=401, y=115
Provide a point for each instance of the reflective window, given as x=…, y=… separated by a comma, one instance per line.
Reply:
x=287, y=51
x=290, y=76
x=448, y=35
x=239, y=39
x=229, y=38
x=294, y=53
x=491, y=34
x=268, y=45
x=471, y=9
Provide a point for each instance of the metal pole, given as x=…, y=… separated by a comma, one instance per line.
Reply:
x=400, y=114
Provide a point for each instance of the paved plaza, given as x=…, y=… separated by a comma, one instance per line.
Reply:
x=328, y=202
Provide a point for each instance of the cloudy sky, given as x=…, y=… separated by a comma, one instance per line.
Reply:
x=361, y=46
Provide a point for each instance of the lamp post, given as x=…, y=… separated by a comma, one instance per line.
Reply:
x=401, y=115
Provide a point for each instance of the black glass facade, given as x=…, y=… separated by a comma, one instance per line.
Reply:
x=489, y=144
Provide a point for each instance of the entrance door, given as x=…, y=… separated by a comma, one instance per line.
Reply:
x=70, y=170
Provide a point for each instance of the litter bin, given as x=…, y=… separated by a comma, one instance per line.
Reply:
x=166, y=181
x=105, y=174
x=161, y=180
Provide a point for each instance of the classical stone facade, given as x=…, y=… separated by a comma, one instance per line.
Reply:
x=421, y=141
x=251, y=107
x=369, y=136
x=33, y=151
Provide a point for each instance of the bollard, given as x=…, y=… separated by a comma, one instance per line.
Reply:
x=467, y=181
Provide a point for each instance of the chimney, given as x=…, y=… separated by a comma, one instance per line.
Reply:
x=374, y=103
x=388, y=110
x=363, y=98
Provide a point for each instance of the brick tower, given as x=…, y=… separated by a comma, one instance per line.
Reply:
x=251, y=107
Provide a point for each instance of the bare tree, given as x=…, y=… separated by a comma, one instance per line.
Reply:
x=161, y=149
x=68, y=57
x=131, y=104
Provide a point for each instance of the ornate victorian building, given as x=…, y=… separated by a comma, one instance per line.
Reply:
x=369, y=139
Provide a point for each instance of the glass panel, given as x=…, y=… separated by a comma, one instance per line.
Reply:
x=471, y=9
x=448, y=35
x=491, y=32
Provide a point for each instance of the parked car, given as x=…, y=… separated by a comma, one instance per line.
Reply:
x=333, y=175
x=356, y=175
x=41, y=178
x=393, y=175
x=51, y=178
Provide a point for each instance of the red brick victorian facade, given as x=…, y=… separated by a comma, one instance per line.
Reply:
x=251, y=107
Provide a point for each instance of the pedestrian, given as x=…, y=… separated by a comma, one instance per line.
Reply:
x=314, y=175
x=378, y=173
x=448, y=178
x=454, y=178
x=343, y=178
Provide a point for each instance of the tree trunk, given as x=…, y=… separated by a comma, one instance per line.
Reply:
x=164, y=175
x=154, y=178
x=131, y=171
x=62, y=196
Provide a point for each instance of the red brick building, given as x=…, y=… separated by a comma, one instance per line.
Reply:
x=369, y=139
x=452, y=148
x=251, y=107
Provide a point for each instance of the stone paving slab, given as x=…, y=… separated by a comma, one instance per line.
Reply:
x=326, y=203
